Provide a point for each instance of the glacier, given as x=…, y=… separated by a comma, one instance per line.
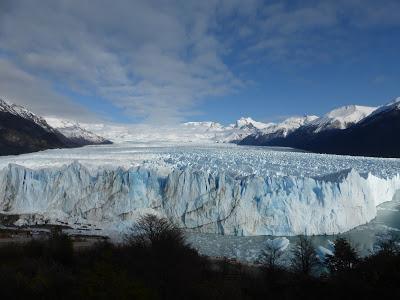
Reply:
x=225, y=189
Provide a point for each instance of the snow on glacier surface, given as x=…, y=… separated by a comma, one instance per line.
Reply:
x=237, y=160
x=209, y=188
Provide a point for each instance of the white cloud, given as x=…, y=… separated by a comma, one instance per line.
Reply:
x=154, y=59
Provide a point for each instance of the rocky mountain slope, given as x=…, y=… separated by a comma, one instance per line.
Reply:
x=348, y=130
x=22, y=131
x=375, y=135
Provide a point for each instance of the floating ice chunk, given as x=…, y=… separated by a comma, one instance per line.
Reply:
x=323, y=252
x=279, y=244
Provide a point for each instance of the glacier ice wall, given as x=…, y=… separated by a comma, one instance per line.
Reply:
x=213, y=202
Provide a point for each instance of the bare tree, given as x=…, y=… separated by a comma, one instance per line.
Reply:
x=389, y=245
x=304, y=259
x=271, y=256
x=151, y=230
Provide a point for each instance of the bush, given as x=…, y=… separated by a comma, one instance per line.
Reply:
x=271, y=256
x=389, y=246
x=153, y=231
x=60, y=247
x=304, y=259
x=142, y=269
x=344, y=257
x=157, y=250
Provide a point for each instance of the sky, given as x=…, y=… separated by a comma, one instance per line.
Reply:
x=147, y=61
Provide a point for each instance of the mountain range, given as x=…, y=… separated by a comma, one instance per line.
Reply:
x=348, y=130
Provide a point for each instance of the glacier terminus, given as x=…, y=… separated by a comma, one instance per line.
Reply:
x=209, y=188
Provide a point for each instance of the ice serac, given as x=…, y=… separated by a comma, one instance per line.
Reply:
x=213, y=202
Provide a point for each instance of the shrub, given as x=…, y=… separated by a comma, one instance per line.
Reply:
x=344, y=257
x=304, y=259
x=153, y=231
x=271, y=256
x=60, y=247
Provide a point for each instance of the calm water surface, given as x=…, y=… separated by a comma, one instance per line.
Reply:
x=248, y=248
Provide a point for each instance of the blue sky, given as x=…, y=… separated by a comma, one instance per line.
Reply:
x=172, y=61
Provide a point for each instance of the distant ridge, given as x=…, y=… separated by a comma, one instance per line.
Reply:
x=76, y=133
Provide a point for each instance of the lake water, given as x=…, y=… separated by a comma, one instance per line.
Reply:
x=248, y=248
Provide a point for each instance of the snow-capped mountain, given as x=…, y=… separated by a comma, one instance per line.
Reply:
x=351, y=130
x=22, y=131
x=24, y=113
x=375, y=135
x=391, y=106
x=284, y=128
x=278, y=131
x=241, y=129
x=74, y=131
x=341, y=118
x=247, y=128
x=304, y=128
x=248, y=122
x=309, y=133
x=228, y=134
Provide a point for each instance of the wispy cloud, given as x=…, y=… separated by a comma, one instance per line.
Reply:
x=315, y=31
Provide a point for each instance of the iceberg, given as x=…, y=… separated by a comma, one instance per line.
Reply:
x=278, y=244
